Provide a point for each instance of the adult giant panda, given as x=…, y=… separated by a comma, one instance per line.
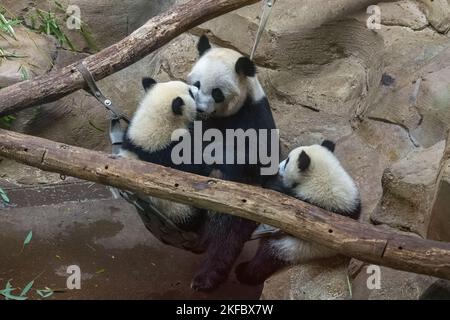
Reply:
x=166, y=107
x=312, y=174
x=230, y=97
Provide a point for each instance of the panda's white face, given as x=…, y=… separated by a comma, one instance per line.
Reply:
x=313, y=173
x=221, y=90
x=165, y=108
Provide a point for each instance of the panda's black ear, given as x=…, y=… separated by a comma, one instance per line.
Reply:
x=303, y=161
x=147, y=83
x=203, y=45
x=329, y=145
x=245, y=67
x=177, y=106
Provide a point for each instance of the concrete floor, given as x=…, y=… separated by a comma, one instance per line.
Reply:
x=78, y=223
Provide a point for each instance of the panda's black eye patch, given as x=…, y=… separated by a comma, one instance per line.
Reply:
x=286, y=163
x=217, y=95
x=197, y=84
x=177, y=106
x=303, y=161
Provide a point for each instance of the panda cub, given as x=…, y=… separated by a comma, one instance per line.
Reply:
x=165, y=108
x=312, y=174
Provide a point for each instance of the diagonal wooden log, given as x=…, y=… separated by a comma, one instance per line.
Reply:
x=154, y=34
x=348, y=237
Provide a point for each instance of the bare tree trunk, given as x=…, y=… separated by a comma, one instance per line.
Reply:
x=348, y=237
x=154, y=34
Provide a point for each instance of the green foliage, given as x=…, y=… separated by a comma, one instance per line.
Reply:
x=4, y=196
x=48, y=23
x=6, y=121
x=6, y=25
x=7, y=292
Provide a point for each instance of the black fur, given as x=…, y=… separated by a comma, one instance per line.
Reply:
x=262, y=266
x=245, y=67
x=303, y=161
x=147, y=83
x=226, y=234
x=162, y=157
x=329, y=145
x=217, y=95
x=252, y=115
x=177, y=106
x=224, y=237
x=203, y=45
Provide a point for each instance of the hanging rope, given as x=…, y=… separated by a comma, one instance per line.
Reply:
x=267, y=9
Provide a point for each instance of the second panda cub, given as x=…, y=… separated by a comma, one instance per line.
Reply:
x=165, y=108
x=312, y=174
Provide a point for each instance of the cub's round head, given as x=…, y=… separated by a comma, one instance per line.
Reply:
x=166, y=107
x=315, y=175
x=224, y=79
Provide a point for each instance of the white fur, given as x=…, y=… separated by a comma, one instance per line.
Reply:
x=216, y=69
x=152, y=126
x=177, y=212
x=295, y=250
x=154, y=121
x=128, y=154
x=326, y=184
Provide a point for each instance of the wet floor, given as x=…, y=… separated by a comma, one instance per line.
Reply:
x=79, y=224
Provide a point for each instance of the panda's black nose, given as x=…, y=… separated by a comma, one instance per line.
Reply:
x=200, y=110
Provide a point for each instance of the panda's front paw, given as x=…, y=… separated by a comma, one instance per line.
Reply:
x=246, y=275
x=207, y=280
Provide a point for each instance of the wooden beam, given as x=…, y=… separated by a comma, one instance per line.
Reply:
x=359, y=240
x=157, y=32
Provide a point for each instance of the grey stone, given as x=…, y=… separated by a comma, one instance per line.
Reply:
x=321, y=280
x=395, y=285
x=439, y=228
x=409, y=188
x=438, y=14
x=405, y=13
x=36, y=54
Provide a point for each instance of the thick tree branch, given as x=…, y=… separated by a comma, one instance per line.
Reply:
x=154, y=34
x=349, y=237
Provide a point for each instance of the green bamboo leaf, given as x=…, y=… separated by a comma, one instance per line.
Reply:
x=45, y=293
x=28, y=238
x=27, y=288
x=95, y=127
x=87, y=35
x=7, y=27
x=59, y=5
x=9, y=286
x=8, y=289
x=3, y=194
x=7, y=293
x=24, y=74
x=9, y=296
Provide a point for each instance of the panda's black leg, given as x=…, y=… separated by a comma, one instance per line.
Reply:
x=226, y=236
x=261, y=267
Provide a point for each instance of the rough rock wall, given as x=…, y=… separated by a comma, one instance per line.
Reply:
x=383, y=95
x=108, y=20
